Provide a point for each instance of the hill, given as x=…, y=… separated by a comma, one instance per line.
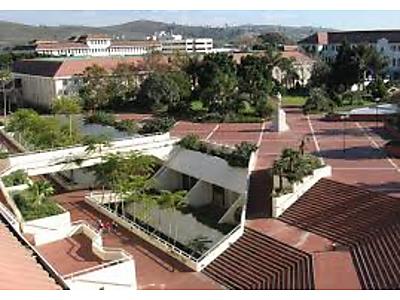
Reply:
x=15, y=33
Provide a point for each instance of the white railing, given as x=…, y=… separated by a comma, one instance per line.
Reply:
x=194, y=263
x=9, y=216
x=96, y=268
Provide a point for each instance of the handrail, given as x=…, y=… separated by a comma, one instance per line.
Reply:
x=164, y=242
x=205, y=254
x=95, y=268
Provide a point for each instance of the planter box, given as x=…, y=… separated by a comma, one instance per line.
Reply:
x=49, y=229
x=283, y=202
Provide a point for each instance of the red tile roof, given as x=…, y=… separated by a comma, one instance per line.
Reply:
x=368, y=223
x=355, y=37
x=18, y=268
x=70, y=67
x=60, y=46
x=135, y=43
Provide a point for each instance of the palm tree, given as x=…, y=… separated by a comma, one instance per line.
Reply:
x=67, y=106
x=5, y=77
x=172, y=201
x=39, y=191
x=199, y=244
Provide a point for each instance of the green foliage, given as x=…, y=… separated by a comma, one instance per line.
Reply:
x=4, y=154
x=41, y=132
x=159, y=93
x=378, y=89
x=95, y=143
x=15, y=178
x=237, y=157
x=34, y=202
x=129, y=126
x=295, y=166
x=318, y=101
x=101, y=117
x=66, y=105
x=159, y=125
x=95, y=88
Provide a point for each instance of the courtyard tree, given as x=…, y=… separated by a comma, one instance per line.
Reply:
x=67, y=105
x=159, y=93
x=39, y=191
x=123, y=84
x=95, y=88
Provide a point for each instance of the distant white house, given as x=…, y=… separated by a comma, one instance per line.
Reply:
x=386, y=42
x=95, y=45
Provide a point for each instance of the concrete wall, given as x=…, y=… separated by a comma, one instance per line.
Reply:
x=209, y=168
x=283, y=202
x=49, y=229
x=121, y=275
x=37, y=91
x=167, y=179
x=200, y=194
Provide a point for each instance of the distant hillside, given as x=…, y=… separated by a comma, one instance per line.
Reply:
x=15, y=33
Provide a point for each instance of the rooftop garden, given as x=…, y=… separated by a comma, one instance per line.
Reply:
x=239, y=156
x=294, y=166
x=16, y=178
x=34, y=202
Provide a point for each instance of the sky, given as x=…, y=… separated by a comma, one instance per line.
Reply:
x=344, y=20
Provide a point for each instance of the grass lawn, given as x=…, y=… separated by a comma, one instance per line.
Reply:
x=293, y=100
x=358, y=104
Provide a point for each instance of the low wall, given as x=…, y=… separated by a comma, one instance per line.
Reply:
x=357, y=118
x=49, y=229
x=200, y=194
x=117, y=276
x=281, y=203
x=10, y=202
x=394, y=133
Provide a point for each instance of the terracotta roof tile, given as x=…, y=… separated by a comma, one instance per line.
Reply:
x=18, y=267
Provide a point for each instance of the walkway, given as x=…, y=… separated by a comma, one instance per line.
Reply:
x=154, y=269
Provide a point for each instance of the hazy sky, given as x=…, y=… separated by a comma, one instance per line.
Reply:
x=332, y=19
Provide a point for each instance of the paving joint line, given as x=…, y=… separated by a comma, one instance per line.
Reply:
x=377, y=146
x=314, y=138
x=212, y=132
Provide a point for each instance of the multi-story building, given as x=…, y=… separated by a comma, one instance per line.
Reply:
x=95, y=45
x=40, y=81
x=386, y=42
x=176, y=43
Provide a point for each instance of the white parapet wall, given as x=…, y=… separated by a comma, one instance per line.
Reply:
x=209, y=168
x=49, y=229
x=112, y=276
x=283, y=202
x=56, y=160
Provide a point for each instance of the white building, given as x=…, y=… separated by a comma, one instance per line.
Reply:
x=176, y=43
x=386, y=42
x=39, y=81
x=95, y=45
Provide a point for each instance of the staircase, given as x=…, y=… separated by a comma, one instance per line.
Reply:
x=257, y=261
x=259, y=198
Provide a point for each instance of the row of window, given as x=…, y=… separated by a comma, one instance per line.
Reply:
x=394, y=64
x=99, y=42
x=88, y=51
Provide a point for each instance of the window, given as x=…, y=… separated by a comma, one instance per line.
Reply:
x=188, y=182
x=393, y=62
x=218, y=195
x=398, y=62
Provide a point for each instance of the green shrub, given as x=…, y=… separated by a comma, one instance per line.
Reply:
x=31, y=211
x=159, y=125
x=15, y=178
x=4, y=154
x=238, y=157
x=318, y=101
x=101, y=117
x=295, y=166
x=129, y=126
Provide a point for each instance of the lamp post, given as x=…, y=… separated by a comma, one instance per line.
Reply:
x=376, y=111
x=344, y=120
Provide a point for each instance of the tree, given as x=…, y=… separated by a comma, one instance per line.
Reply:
x=95, y=88
x=159, y=93
x=320, y=74
x=68, y=106
x=39, y=191
x=5, y=77
x=123, y=84
x=272, y=40
x=318, y=101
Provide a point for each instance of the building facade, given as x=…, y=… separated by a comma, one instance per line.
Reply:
x=40, y=81
x=202, y=45
x=95, y=45
x=387, y=42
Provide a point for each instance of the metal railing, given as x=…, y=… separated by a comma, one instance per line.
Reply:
x=159, y=239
